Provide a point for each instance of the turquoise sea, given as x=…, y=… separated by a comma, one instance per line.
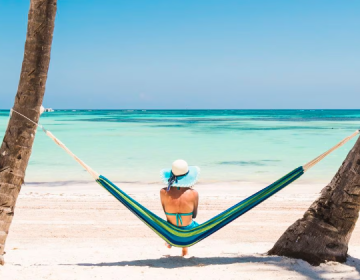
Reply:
x=228, y=145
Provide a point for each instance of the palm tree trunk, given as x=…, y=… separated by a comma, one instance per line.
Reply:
x=323, y=233
x=19, y=137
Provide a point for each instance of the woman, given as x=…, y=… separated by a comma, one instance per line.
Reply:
x=179, y=200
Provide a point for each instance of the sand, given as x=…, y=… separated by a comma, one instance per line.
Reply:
x=81, y=232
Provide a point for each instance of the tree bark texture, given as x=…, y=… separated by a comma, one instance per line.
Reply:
x=19, y=137
x=323, y=233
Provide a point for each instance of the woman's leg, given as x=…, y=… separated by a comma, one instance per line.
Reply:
x=184, y=251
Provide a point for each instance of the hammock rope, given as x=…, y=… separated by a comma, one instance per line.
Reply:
x=322, y=156
x=91, y=171
x=184, y=238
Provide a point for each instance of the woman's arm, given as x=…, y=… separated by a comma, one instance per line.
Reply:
x=162, y=194
x=196, y=203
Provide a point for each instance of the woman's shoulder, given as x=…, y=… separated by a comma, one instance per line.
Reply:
x=163, y=191
x=192, y=192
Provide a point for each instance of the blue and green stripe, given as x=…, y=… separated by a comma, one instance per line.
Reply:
x=176, y=236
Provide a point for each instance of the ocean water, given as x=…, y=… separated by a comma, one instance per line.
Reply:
x=228, y=145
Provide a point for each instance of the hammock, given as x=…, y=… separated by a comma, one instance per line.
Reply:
x=184, y=238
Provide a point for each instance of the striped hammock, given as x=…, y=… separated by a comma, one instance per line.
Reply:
x=176, y=236
x=185, y=238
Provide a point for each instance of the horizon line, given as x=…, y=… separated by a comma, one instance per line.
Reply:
x=141, y=109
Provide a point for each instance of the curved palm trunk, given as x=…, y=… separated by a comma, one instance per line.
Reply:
x=19, y=137
x=323, y=233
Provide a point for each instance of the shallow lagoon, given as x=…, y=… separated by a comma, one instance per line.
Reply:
x=228, y=145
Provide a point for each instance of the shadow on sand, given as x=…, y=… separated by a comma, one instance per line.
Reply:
x=354, y=262
x=170, y=262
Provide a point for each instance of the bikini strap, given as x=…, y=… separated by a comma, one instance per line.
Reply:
x=178, y=216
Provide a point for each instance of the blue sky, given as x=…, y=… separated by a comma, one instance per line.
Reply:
x=192, y=54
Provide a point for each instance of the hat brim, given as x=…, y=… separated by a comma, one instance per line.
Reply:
x=184, y=181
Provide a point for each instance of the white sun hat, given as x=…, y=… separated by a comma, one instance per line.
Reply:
x=180, y=175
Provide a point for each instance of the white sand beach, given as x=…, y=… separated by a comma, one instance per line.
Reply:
x=81, y=232
x=245, y=90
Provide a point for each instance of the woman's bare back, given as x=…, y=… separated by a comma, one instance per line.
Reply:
x=183, y=200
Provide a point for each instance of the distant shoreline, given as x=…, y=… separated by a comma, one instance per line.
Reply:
x=141, y=109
